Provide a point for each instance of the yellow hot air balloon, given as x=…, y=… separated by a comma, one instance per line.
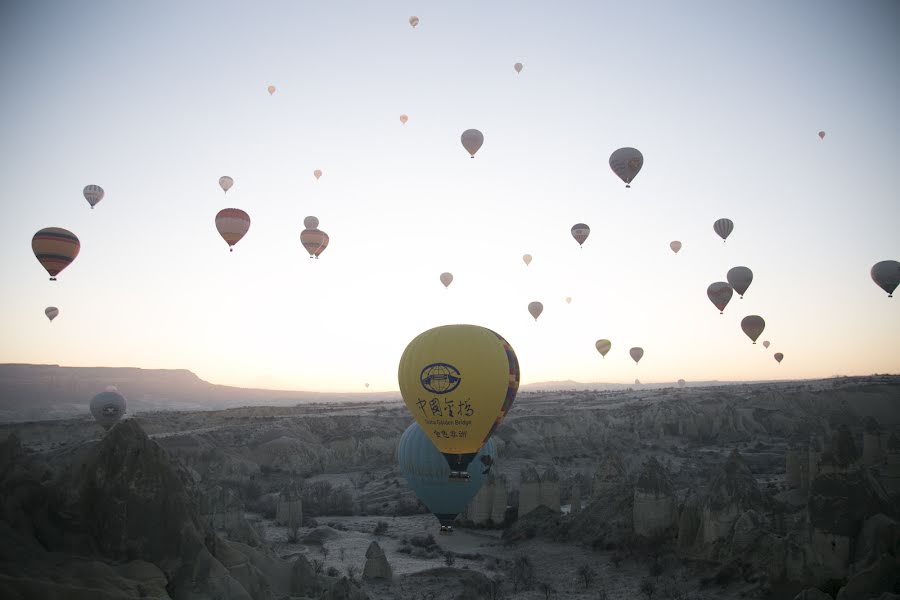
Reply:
x=526, y=258
x=317, y=173
x=603, y=347
x=446, y=279
x=271, y=89
x=55, y=248
x=233, y=224
x=535, y=308
x=404, y=119
x=459, y=382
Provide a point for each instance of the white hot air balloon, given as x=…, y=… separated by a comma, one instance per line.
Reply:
x=472, y=139
x=518, y=67
x=93, y=194
x=526, y=258
x=535, y=308
x=225, y=182
x=446, y=279
x=626, y=163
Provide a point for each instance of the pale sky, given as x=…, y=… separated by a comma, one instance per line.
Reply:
x=154, y=101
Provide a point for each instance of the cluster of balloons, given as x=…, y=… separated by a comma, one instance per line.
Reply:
x=459, y=382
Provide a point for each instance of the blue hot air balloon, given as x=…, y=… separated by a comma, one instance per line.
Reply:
x=428, y=474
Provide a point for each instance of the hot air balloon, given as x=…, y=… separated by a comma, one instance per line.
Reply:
x=404, y=119
x=766, y=344
x=580, y=232
x=225, y=182
x=428, y=474
x=446, y=279
x=681, y=383
x=51, y=312
x=723, y=227
x=518, y=67
x=414, y=21
x=636, y=353
x=472, y=139
x=626, y=163
x=740, y=279
x=779, y=357
x=887, y=275
x=821, y=135
x=93, y=194
x=459, y=382
x=233, y=224
x=603, y=347
x=637, y=382
x=568, y=299
x=367, y=386
x=526, y=258
x=753, y=326
x=311, y=222
x=55, y=248
x=719, y=293
x=317, y=173
x=535, y=308
x=675, y=246
x=108, y=407
x=271, y=89
x=314, y=241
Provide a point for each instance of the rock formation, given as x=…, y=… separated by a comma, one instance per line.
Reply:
x=289, y=512
x=654, y=501
x=733, y=491
x=489, y=504
x=536, y=490
x=377, y=566
x=610, y=474
x=873, y=449
x=792, y=477
x=841, y=456
x=550, y=489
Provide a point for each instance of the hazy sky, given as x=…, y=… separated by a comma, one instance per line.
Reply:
x=155, y=101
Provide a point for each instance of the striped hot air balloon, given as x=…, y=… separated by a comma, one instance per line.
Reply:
x=51, y=312
x=225, y=182
x=723, y=227
x=626, y=163
x=55, y=248
x=233, y=224
x=580, y=232
x=93, y=194
x=314, y=241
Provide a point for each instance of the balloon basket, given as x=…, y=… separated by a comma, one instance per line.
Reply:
x=459, y=476
x=446, y=530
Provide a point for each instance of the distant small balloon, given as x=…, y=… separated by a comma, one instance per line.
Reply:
x=637, y=382
x=311, y=222
x=822, y=135
x=271, y=89
x=766, y=344
x=51, y=312
x=681, y=383
x=232, y=224
x=580, y=232
x=472, y=139
x=740, y=279
x=568, y=299
x=317, y=173
x=603, y=347
x=367, y=386
x=93, y=194
x=526, y=258
x=675, y=246
x=518, y=67
x=446, y=279
x=886, y=274
x=414, y=21
x=779, y=357
x=535, y=308
x=404, y=119
x=636, y=353
x=719, y=293
x=723, y=227
x=626, y=163
x=753, y=326
x=225, y=182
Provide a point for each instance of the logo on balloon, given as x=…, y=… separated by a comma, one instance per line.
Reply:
x=440, y=378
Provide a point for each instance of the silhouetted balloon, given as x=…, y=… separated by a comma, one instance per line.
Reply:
x=427, y=473
x=603, y=347
x=271, y=89
x=225, y=182
x=107, y=408
x=636, y=353
x=93, y=194
x=446, y=279
x=681, y=383
x=317, y=173
x=311, y=222
x=719, y=293
x=55, y=248
x=51, y=312
x=414, y=21
x=535, y=308
x=740, y=279
x=526, y=258
x=779, y=357
x=367, y=386
x=314, y=241
x=232, y=224
x=404, y=119
x=580, y=232
x=518, y=67
x=675, y=246
x=723, y=227
x=459, y=382
x=766, y=344
x=821, y=135
x=753, y=326
x=568, y=299
x=637, y=382
x=626, y=163
x=472, y=139
x=887, y=275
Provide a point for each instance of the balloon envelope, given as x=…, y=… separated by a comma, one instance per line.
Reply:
x=225, y=182
x=51, y=312
x=626, y=163
x=636, y=353
x=580, y=232
x=779, y=356
x=821, y=135
x=317, y=173
x=719, y=293
x=740, y=279
x=568, y=300
x=753, y=326
x=414, y=21
x=603, y=347
x=472, y=139
x=535, y=308
x=518, y=67
x=446, y=279
x=766, y=344
x=887, y=275
x=526, y=258
x=271, y=89
x=723, y=227
x=311, y=222
x=107, y=408
x=428, y=474
x=675, y=246
x=93, y=194
x=404, y=119
x=459, y=382
x=681, y=383
x=314, y=241
x=232, y=224
x=55, y=248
